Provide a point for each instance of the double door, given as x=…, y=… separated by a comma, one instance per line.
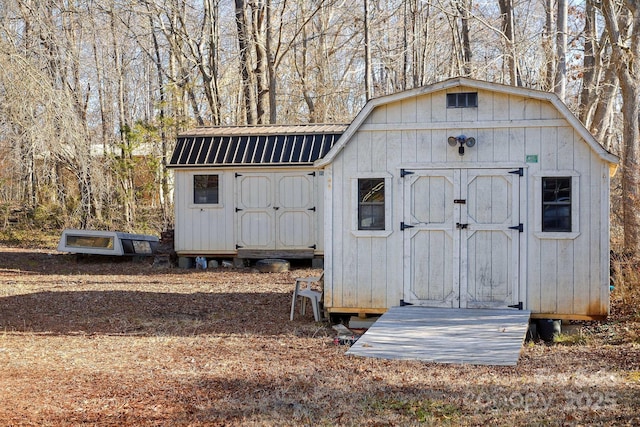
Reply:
x=276, y=211
x=461, y=236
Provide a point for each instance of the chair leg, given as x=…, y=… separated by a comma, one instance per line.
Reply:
x=316, y=309
x=293, y=302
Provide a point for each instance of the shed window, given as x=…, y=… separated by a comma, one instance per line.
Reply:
x=462, y=100
x=205, y=189
x=556, y=204
x=371, y=204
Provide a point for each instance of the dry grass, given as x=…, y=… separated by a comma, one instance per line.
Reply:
x=104, y=343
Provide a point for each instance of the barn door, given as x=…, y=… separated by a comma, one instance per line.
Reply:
x=489, y=241
x=276, y=211
x=295, y=210
x=430, y=241
x=255, y=211
x=459, y=247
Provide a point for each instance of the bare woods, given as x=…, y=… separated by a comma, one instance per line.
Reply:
x=92, y=94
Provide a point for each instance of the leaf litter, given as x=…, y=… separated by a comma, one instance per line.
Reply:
x=108, y=342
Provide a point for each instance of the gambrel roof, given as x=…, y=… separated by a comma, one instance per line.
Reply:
x=463, y=82
x=273, y=145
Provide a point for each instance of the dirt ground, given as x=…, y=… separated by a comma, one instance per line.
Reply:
x=93, y=342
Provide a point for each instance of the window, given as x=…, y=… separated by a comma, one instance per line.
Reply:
x=556, y=204
x=99, y=242
x=371, y=204
x=205, y=189
x=462, y=100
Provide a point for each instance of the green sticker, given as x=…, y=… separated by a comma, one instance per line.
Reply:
x=532, y=158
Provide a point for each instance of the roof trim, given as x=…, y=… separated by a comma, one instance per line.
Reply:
x=264, y=130
x=472, y=83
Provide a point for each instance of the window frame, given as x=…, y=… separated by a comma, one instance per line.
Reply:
x=460, y=96
x=373, y=207
x=192, y=181
x=575, y=204
x=355, y=204
x=559, y=202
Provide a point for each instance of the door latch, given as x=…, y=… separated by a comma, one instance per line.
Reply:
x=461, y=226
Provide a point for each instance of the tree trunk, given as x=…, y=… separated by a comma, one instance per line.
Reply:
x=259, y=32
x=589, y=64
x=506, y=10
x=548, y=47
x=560, y=86
x=464, y=10
x=123, y=168
x=368, y=73
x=600, y=125
x=625, y=51
x=245, y=63
x=209, y=64
x=271, y=62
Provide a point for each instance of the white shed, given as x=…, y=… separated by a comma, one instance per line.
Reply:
x=467, y=194
x=251, y=191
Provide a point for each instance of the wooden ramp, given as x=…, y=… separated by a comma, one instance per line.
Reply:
x=446, y=335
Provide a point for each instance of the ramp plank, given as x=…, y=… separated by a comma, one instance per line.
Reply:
x=446, y=335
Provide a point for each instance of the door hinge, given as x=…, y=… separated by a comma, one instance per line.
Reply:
x=518, y=306
x=313, y=247
x=461, y=226
x=239, y=247
x=312, y=174
x=460, y=201
x=238, y=174
x=404, y=226
x=312, y=209
x=519, y=172
x=404, y=172
x=403, y=303
x=519, y=227
x=238, y=209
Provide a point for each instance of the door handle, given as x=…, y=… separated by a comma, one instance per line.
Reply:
x=461, y=226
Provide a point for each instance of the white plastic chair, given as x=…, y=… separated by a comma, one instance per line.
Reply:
x=303, y=288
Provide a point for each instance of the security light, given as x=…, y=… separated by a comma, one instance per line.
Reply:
x=462, y=140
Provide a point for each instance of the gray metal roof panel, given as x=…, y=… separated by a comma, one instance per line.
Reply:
x=254, y=145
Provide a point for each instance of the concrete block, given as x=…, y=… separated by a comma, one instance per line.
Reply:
x=185, y=262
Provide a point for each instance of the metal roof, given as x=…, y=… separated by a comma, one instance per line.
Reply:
x=254, y=145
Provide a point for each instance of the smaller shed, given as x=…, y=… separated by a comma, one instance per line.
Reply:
x=251, y=191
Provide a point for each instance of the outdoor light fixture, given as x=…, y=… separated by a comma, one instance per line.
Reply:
x=462, y=140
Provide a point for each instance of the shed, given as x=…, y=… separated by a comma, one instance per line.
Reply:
x=251, y=191
x=467, y=194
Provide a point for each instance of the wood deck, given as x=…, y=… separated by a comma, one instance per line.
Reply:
x=446, y=335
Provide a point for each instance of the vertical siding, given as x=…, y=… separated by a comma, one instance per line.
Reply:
x=558, y=275
x=203, y=229
x=319, y=193
x=588, y=243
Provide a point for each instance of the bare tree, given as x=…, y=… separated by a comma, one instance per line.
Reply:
x=464, y=7
x=506, y=9
x=623, y=25
x=560, y=85
x=368, y=72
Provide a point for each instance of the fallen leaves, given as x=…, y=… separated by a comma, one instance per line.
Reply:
x=123, y=343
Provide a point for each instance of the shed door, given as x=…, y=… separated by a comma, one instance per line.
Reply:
x=276, y=210
x=460, y=249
